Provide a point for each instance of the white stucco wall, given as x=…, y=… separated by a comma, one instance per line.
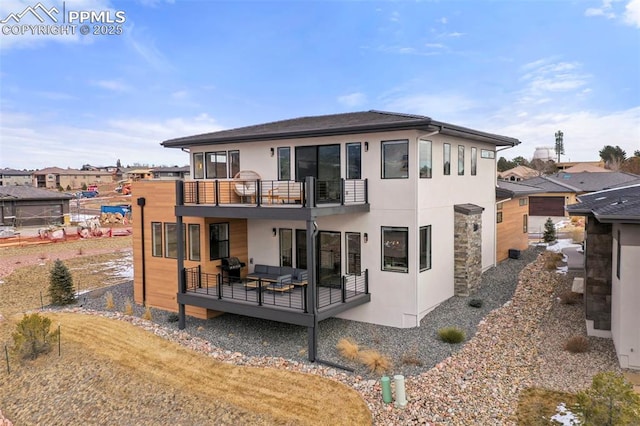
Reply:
x=397, y=299
x=625, y=296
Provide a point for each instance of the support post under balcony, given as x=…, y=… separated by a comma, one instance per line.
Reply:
x=182, y=287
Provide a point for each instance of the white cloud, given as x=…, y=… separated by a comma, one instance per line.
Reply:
x=38, y=144
x=395, y=17
x=443, y=20
x=353, y=99
x=180, y=94
x=113, y=85
x=435, y=45
x=547, y=76
x=632, y=13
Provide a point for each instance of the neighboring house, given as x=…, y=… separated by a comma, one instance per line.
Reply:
x=55, y=177
x=512, y=218
x=562, y=189
x=10, y=177
x=387, y=214
x=612, y=256
x=580, y=166
x=518, y=173
x=28, y=206
x=171, y=173
x=137, y=174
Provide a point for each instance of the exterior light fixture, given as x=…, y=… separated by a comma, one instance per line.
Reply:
x=272, y=151
x=366, y=146
x=274, y=231
x=366, y=237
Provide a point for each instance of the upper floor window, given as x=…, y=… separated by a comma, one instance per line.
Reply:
x=460, y=160
x=485, y=153
x=284, y=163
x=234, y=163
x=425, y=158
x=474, y=161
x=198, y=165
x=446, y=158
x=395, y=159
x=216, y=165
x=354, y=161
x=523, y=201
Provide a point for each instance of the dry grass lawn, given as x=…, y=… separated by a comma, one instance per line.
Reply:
x=111, y=372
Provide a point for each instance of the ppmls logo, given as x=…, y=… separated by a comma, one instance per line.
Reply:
x=53, y=22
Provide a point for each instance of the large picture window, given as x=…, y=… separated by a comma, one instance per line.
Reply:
x=395, y=159
x=446, y=158
x=286, y=247
x=218, y=240
x=284, y=163
x=460, y=160
x=353, y=253
x=194, y=241
x=525, y=223
x=301, y=248
x=198, y=165
x=395, y=254
x=216, y=165
x=474, y=161
x=425, y=159
x=425, y=248
x=354, y=159
x=156, y=239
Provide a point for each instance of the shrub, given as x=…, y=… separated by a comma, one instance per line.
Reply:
x=147, y=314
x=549, y=231
x=84, y=186
x=32, y=336
x=577, y=235
x=68, y=187
x=110, y=305
x=475, y=303
x=451, y=335
x=61, y=284
x=348, y=349
x=173, y=317
x=577, y=344
x=569, y=298
x=411, y=358
x=376, y=362
x=552, y=260
x=609, y=401
x=128, y=308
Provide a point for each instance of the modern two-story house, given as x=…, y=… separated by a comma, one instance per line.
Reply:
x=369, y=216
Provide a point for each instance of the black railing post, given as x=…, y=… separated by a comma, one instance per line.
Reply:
x=344, y=288
x=342, y=194
x=366, y=191
x=259, y=291
x=366, y=281
x=258, y=192
x=199, y=276
x=216, y=191
x=219, y=285
x=304, y=299
x=197, y=185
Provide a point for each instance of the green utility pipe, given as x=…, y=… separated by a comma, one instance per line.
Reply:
x=386, y=389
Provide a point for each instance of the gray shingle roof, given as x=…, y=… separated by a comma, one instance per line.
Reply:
x=335, y=124
x=583, y=181
x=612, y=205
x=13, y=172
x=17, y=192
x=507, y=189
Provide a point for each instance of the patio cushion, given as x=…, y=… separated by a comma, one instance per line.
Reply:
x=260, y=269
x=273, y=270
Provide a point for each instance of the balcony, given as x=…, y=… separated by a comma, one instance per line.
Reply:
x=259, y=299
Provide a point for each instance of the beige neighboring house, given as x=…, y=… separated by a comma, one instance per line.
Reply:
x=518, y=174
x=56, y=177
x=586, y=167
x=12, y=177
x=565, y=165
x=138, y=174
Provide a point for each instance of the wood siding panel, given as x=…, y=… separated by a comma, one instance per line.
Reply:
x=161, y=273
x=510, y=230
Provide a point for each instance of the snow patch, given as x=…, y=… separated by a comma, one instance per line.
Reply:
x=564, y=416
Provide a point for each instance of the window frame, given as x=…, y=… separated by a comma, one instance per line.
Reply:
x=425, y=248
x=487, y=153
x=425, y=158
x=446, y=159
x=281, y=150
x=524, y=201
x=157, y=239
x=404, y=161
x=216, y=164
x=198, y=174
x=281, y=236
x=170, y=238
x=219, y=241
x=474, y=161
x=383, y=264
x=499, y=217
x=357, y=261
x=354, y=171
x=194, y=248
x=460, y=160
x=525, y=223
x=233, y=162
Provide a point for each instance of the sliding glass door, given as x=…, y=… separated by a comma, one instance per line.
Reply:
x=323, y=163
x=329, y=259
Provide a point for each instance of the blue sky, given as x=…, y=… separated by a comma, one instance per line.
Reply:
x=520, y=68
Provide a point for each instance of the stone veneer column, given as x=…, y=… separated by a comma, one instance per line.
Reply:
x=467, y=248
x=598, y=263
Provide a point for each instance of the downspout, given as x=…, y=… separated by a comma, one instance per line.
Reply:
x=141, y=202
